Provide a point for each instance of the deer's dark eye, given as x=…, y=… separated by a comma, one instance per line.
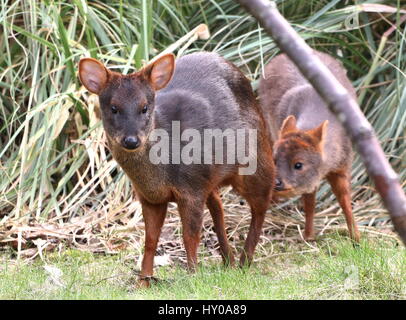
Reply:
x=144, y=109
x=114, y=109
x=298, y=166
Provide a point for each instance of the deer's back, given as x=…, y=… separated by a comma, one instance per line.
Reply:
x=282, y=75
x=209, y=92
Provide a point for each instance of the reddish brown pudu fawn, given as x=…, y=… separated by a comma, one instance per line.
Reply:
x=203, y=91
x=310, y=143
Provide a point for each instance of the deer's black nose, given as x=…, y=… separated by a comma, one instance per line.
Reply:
x=278, y=184
x=131, y=142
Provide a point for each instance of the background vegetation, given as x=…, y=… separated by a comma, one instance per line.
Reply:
x=58, y=181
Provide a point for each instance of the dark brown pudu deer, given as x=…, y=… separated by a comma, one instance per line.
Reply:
x=204, y=91
x=310, y=143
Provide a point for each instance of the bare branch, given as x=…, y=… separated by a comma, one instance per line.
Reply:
x=342, y=105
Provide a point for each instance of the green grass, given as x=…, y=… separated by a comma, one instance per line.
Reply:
x=55, y=167
x=334, y=269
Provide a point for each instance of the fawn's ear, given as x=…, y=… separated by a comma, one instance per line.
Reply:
x=320, y=132
x=93, y=74
x=288, y=125
x=160, y=71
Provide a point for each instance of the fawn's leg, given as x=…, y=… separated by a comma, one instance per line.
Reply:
x=154, y=216
x=216, y=210
x=191, y=214
x=340, y=184
x=309, y=204
x=258, y=210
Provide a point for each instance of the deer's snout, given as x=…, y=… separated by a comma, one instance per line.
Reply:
x=279, y=186
x=130, y=142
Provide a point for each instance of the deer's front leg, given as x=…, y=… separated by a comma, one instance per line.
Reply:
x=340, y=184
x=309, y=205
x=154, y=216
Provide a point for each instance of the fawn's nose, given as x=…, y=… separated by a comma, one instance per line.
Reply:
x=278, y=184
x=131, y=142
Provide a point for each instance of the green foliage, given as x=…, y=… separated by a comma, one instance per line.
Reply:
x=52, y=157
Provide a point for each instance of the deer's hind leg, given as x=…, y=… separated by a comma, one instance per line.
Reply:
x=191, y=214
x=217, y=213
x=258, y=193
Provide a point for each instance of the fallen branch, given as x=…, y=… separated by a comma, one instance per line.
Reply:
x=341, y=104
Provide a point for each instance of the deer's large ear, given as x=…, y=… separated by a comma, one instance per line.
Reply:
x=288, y=125
x=93, y=74
x=160, y=71
x=320, y=133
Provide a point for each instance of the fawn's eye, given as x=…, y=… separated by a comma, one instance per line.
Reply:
x=144, y=109
x=114, y=109
x=298, y=166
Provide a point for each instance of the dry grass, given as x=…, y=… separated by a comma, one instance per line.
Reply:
x=110, y=232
